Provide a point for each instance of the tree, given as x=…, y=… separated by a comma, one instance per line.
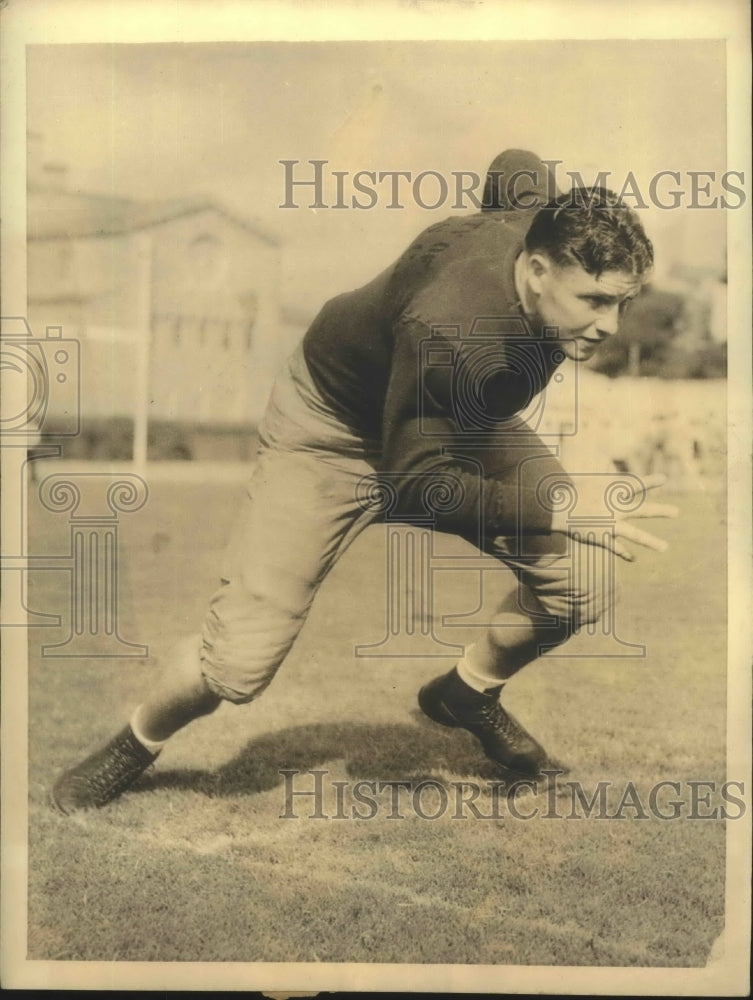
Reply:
x=644, y=341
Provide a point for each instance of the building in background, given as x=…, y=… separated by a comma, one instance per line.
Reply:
x=189, y=279
x=176, y=307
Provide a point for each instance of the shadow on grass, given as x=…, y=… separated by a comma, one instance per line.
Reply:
x=377, y=752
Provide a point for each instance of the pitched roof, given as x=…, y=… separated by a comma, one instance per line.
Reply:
x=71, y=214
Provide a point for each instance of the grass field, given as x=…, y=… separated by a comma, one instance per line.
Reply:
x=196, y=863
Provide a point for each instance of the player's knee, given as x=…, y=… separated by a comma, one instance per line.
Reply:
x=582, y=602
x=238, y=670
x=234, y=689
x=241, y=653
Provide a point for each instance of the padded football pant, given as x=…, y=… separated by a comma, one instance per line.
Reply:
x=300, y=513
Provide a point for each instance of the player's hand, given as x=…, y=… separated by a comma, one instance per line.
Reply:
x=620, y=529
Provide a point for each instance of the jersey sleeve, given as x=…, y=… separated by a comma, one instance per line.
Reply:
x=440, y=391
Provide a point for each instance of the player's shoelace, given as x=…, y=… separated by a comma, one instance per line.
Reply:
x=497, y=718
x=119, y=767
x=116, y=774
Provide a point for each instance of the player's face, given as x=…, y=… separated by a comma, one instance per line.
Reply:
x=586, y=309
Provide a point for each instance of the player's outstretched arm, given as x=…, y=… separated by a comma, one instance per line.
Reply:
x=621, y=528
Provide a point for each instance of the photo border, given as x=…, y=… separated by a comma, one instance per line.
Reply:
x=38, y=22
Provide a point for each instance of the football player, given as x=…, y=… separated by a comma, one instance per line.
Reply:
x=422, y=377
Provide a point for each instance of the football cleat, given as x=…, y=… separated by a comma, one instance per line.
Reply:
x=102, y=776
x=449, y=701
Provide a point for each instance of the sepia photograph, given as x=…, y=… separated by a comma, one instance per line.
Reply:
x=376, y=497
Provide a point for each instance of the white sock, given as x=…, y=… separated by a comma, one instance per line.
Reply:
x=153, y=746
x=472, y=677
